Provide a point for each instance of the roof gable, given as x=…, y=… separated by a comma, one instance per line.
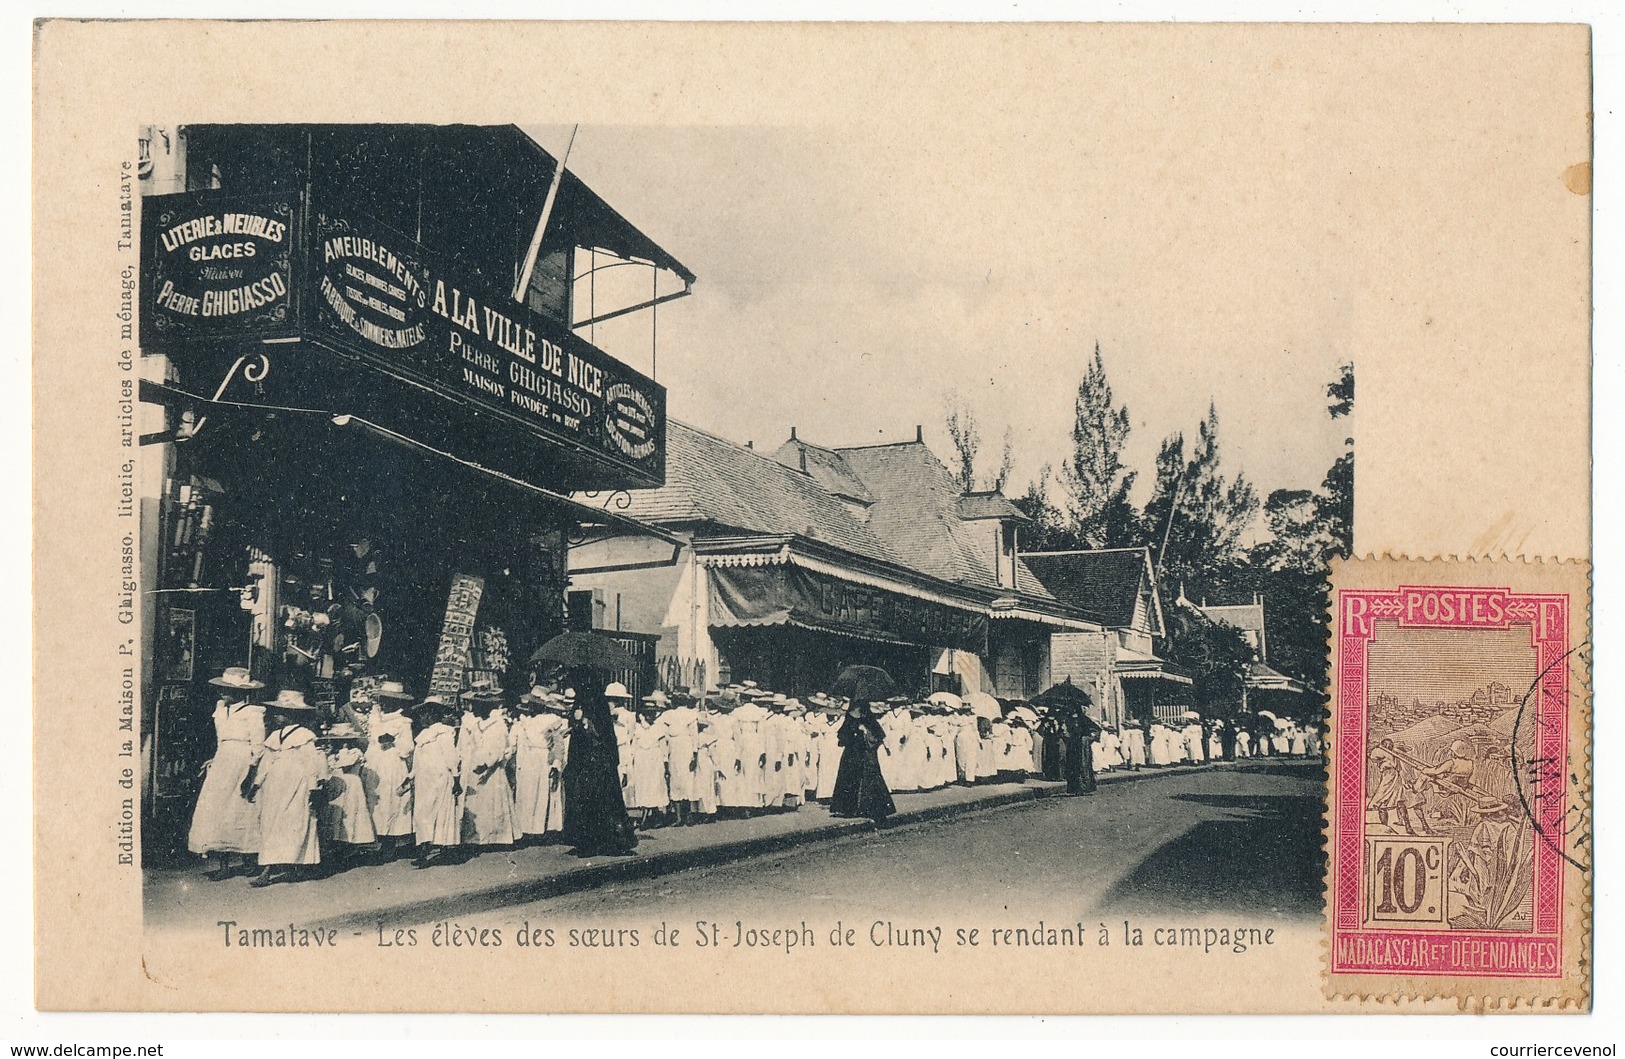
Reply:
x=1106, y=584
x=711, y=480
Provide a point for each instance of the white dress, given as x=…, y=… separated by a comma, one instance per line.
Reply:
x=829, y=756
x=223, y=821
x=345, y=816
x=487, y=749
x=292, y=767
x=967, y=749
x=437, y=816
x=681, y=724
x=1134, y=739
x=1021, y=751
x=385, y=769
x=751, y=748
x=540, y=741
x=707, y=773
x=646, y=782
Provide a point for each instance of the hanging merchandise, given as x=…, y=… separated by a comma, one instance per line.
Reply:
x=456, y=634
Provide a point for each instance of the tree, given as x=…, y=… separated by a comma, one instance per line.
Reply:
x=1007, y=461
x=1215, y=654
x=1197, y=516
x=966, y=439
x=1050, y=530
x=1094, y=473
x=1307, y=528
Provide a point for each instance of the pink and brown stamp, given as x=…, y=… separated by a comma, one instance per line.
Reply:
x=1459, y=844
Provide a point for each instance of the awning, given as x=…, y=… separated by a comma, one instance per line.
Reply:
x=1135, y=665
x=754, y=596
x=1262, y=678
x=159, y=393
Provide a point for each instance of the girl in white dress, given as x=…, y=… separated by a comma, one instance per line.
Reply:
x=437, y=786
x=345, y=821
x=224, y=821
x=387, y=765
x=287, y=787
x=487, y=751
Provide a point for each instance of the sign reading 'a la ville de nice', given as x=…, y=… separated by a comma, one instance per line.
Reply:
x=219, y=267
x=383, y=296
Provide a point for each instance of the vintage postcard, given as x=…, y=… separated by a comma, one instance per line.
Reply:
x=812, y=518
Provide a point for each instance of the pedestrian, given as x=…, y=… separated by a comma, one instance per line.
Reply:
x=436, y=784
x=540, y=738
x=1134, y=742
x=287, y=787
x=387, y=764
x=344, y=820
x=225, y=823
x=595, y=819
x=486, y=748
x=751, y=746
x=860, y=789
x=681, y=722
x=647, y=789
x=828, y=726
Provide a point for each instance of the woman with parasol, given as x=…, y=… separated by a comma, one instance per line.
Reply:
x=1068, y=720
x=860, y=789
x=595, y=819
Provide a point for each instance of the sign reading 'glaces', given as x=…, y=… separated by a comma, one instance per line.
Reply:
x=384, y=297
x=218, y=266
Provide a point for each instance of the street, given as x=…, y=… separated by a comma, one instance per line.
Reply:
x=1231, y=840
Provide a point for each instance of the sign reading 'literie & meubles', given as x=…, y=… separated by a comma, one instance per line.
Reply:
x=218, y=266
x=386, y=298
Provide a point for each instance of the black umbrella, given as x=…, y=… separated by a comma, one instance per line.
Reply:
x=864, y=684
x=1065, y=693
x=575, y=650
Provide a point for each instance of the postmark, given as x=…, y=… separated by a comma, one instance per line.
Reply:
x=1458, y=852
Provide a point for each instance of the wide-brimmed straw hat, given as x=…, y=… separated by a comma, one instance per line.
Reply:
x=617, y=690
x=237, y=678
x=393, y=691
x=290, y=701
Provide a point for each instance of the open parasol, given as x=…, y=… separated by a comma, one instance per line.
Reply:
x=984, y=705
x=1064, y=694
x=948, y=699
x=864, y=684
x=577, y=650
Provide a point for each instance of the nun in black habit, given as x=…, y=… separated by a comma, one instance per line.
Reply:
x=860, y=789
x=595, y=819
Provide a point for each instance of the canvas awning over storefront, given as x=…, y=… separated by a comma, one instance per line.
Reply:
x=754, y=596
x=1135, y=665
x=1261, y=677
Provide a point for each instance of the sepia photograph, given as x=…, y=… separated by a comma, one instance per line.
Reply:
x=496, y=599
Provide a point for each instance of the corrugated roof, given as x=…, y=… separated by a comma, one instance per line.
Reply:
x=1104, y=584
x=712, y=480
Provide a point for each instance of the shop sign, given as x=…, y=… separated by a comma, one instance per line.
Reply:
x=790, y=595
x=376, y=294
x=218, y=266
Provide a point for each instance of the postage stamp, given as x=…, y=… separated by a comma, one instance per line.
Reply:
x=1459, y=848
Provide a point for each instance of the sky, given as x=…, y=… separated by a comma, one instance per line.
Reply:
x=1448, y=664
x=854, y=280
